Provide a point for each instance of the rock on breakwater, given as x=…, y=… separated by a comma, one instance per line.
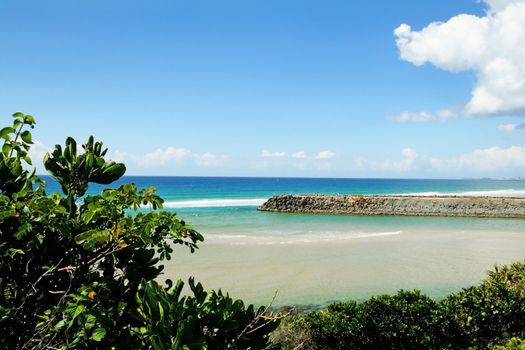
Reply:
x=504, y=207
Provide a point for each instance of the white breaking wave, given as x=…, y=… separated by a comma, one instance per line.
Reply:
x=488, y=193
x=206, y=203
x=331, y=238
x=376, y=234
x=219, y=236
x=293, y=239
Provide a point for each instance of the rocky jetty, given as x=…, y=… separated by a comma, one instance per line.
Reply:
x=500, y=207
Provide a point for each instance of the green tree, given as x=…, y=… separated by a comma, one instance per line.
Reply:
x=80, y=271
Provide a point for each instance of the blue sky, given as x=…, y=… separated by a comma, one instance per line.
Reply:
x=326, y=88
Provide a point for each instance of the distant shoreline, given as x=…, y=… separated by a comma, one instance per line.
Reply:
x=406, y=205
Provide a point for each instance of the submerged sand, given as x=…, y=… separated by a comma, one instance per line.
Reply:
x=306, y=270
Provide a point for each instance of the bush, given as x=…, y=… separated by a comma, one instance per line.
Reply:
x=512, y=344
x=477, y=317
x=489, y=313
x=79, y=271
x=401, y=321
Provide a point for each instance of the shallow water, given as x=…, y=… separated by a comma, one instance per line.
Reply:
x=316, y=259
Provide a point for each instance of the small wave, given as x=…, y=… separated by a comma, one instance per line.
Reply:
x=376, y=234
x=223, y=202
x=215, y=236
x=331, y=238
x=283, y=239
x=487, y=193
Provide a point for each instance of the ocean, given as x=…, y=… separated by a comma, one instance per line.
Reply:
x=316, y=259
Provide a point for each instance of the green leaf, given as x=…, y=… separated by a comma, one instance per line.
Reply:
x=18, y=115
x=60, y=325
x=6, y=148
x=13, y=251
x=30, y=119
x=4, y=214
x=98, y=334
x=78, y=310
x=17, y=123
x=89, y=238
x=6, y=131
x=26, y=136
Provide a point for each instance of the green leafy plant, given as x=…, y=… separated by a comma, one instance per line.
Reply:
x=512, y=344
x=477, y=317
x=80, y=270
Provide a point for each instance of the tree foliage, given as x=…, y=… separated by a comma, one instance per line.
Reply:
x=80, y=271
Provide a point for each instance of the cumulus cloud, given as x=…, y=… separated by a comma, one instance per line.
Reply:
x=491, y=46
x=409, y=153
x=511, y=127
x=325, y=155
x=267, y=154
x=210, y=160
x=441, y=115
x=498, y=5
x=484, y=160
x=279, y=154
x=298, y=160
x=162, y=156
x=403, y=165
x=299, y=155
x=479, y=162
x=36, y=153
x=165, y=156
x=412, y=117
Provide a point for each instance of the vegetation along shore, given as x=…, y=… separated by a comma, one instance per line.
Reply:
x=505, y=207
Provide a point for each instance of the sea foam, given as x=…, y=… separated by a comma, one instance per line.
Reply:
x=487, y=193
x=332, y=238
x=273, y=239
x=221, y=202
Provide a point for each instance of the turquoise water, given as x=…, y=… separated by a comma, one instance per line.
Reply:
x=226, y=206
x=315, y=259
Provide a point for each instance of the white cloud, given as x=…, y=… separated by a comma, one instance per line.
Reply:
x=403, y=165
x=38, y=150
x=498, y=5
x=511, y=127
x=325, y=155
x=36, y=153
x=491, y=46
x=412, y=117
x=441, y=115
x=299, y=155
x=507, y=127
x=480, y=162
x=267, y=154
x=210, y=160
x=484, y=160
x=162, y=156
x=409, y=153
x=120, y=156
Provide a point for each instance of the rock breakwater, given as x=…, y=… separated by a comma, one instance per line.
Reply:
x=504, y=207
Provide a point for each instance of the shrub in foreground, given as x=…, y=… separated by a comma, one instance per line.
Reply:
x=79, y=271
